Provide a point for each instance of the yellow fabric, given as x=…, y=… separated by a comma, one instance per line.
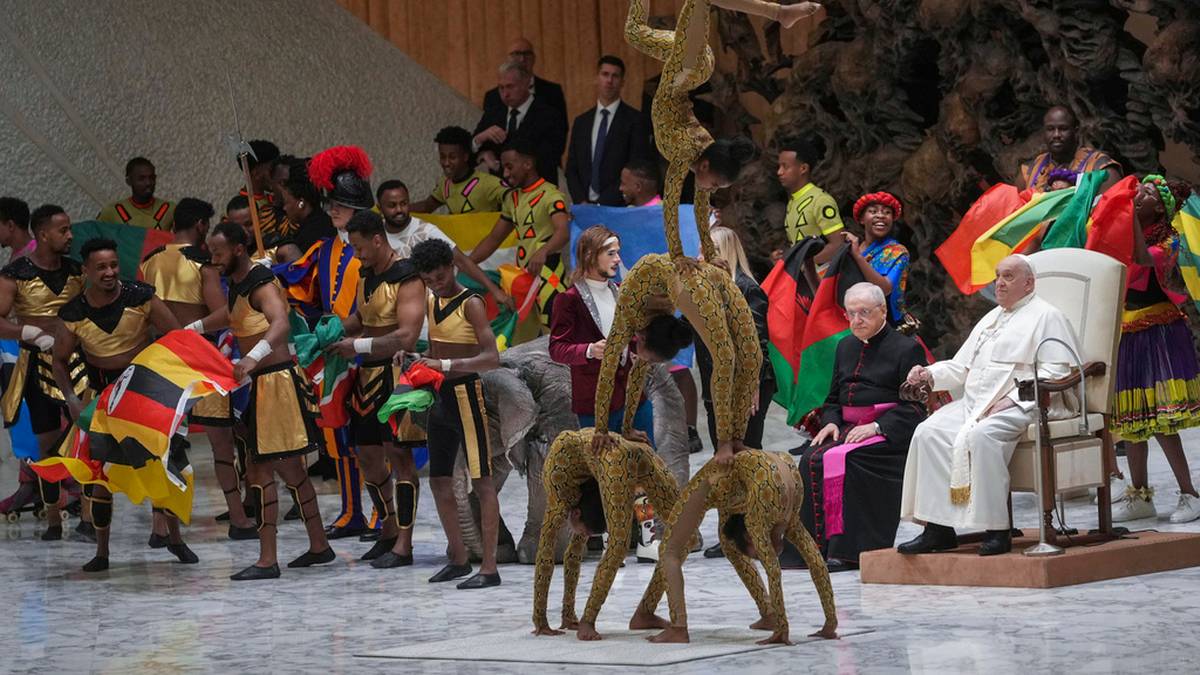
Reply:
x=481, y=191
x=141, y=217
x=147, y=482
x=454, y=328
x=131, y=332
x=468, y=229
x=34, y=297
x=530, y=211
x=380, y=309
x=175, y=277
x=811, y=212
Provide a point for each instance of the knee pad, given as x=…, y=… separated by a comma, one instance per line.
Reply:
x=49, y=490
x=102, y=512
x=406, y=503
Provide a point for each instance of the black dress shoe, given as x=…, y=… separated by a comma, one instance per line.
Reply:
x=997, y=542
x=389, y=560
x=370, y=535
x=222, y=517
x=838, y=565
x=382, y=546
x=309, y=558
x=243, y=533
x=934, y=538
x=254, y=573
x=97, y=564
x=714, y=551
x=480, y=580
x=158, y=541
x=52, y=533
x=185, y=554
x=344, y=531
x=451, y=572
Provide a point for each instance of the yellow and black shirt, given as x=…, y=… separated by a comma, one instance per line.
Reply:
x=43, y=292
x=377, y=293
x=811, y=212
x=159, y=214
x=480, y=191
x=244, y=319
x=448, y=320
x=174, y=271
x=530, y=210
x=115, y=328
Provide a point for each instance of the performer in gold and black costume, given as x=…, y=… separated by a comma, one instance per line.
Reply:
x=110, y=323
x=591, y=490
x=758, y=502
x=279, y=419
x=390, y=311
x=688, y=63
x=186, y=281
x=32, y=290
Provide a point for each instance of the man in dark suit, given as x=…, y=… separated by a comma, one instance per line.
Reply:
x=522, y=116
x=604, y=140
x=521, y=51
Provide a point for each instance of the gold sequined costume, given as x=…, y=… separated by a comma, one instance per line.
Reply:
x=756, y=486
x=679, y=135
x=619, y=471
x=719, y=314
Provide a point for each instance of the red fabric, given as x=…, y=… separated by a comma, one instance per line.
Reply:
x=885, y=198
x=420, y=375
x=1111, y=229
x=327, y=163
x=571, y=331
x=993, y=206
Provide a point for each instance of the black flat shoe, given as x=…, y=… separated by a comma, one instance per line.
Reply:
x=370, y=535
x=714, y=551
x=222, y=517
x=243, y=533
x=835, y=566
x=389, y=560
x=998, y=542
x=86, y=530
x=254, y=573
x=158, y=541
x=52, y=533
x=934, y=538
x=382, y=546
x=97, y=564
x=344, y=531
x=185, y=554
x=480, y=580
x=451, y=572
x=309, y=558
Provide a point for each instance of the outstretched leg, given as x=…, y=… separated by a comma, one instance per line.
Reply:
x=652, y=42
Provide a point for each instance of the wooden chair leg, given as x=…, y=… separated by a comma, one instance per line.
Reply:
x=1104, y=492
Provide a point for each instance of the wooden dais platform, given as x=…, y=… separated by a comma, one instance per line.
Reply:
x=1139, y=553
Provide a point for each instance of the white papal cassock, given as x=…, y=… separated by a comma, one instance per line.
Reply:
x=957, y=451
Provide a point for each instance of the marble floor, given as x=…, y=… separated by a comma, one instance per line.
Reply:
x=149, y=614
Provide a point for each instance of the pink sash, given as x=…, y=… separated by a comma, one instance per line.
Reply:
x=834, y=462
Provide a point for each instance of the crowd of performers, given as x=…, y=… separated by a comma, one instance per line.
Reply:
x=311, y=242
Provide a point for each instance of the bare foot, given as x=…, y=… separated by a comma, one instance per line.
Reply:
x=645, y=621
x=763, y=624
x=546, y=630
x=673, y=634
x=587, y=632
x=569, y=624
x=779, y=637
x=790, y=14
x=827, y=632
x=724, y=453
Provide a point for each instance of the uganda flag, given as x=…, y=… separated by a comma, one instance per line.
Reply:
x=133, y=242
x=804, y=326
x=127, y=440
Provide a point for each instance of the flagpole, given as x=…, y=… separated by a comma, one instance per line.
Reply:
x=258, y=239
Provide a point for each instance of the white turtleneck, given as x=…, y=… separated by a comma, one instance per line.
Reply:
x=606, y=304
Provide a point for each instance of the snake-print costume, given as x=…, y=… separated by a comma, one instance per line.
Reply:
x=619, y=471
x=755, y=486
x=679, y=135
x=724, y=322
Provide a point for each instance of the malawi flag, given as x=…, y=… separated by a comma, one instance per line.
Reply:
x=1187, y=223
x=133, y=242
x=414, y=393
x=805, y=326
x=128, y=440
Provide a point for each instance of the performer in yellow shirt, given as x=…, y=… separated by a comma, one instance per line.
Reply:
x=141, y=208
x=462, y=187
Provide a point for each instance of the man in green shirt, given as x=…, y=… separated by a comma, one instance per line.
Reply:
x=811, y=212
x=141, y=208
x=462, y=188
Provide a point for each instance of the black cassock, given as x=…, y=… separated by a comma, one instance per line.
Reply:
x=865, y=374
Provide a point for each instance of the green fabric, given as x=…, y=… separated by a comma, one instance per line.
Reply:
x=1017, y=229
x=816, y=374
x=1070, y=229
x=415, y=400
x=133, y=242
x=310, y=345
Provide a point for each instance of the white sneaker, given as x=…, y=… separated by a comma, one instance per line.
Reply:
x=1116, y=488
x=1135, y=504
x=1187, y=510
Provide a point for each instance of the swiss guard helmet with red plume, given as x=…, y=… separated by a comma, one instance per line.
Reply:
x=342, y=173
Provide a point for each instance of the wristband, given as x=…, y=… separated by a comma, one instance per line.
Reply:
x=363, y=345
x=197, y=326
x=31, y=333
x=260, y=351
x=446, y=365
